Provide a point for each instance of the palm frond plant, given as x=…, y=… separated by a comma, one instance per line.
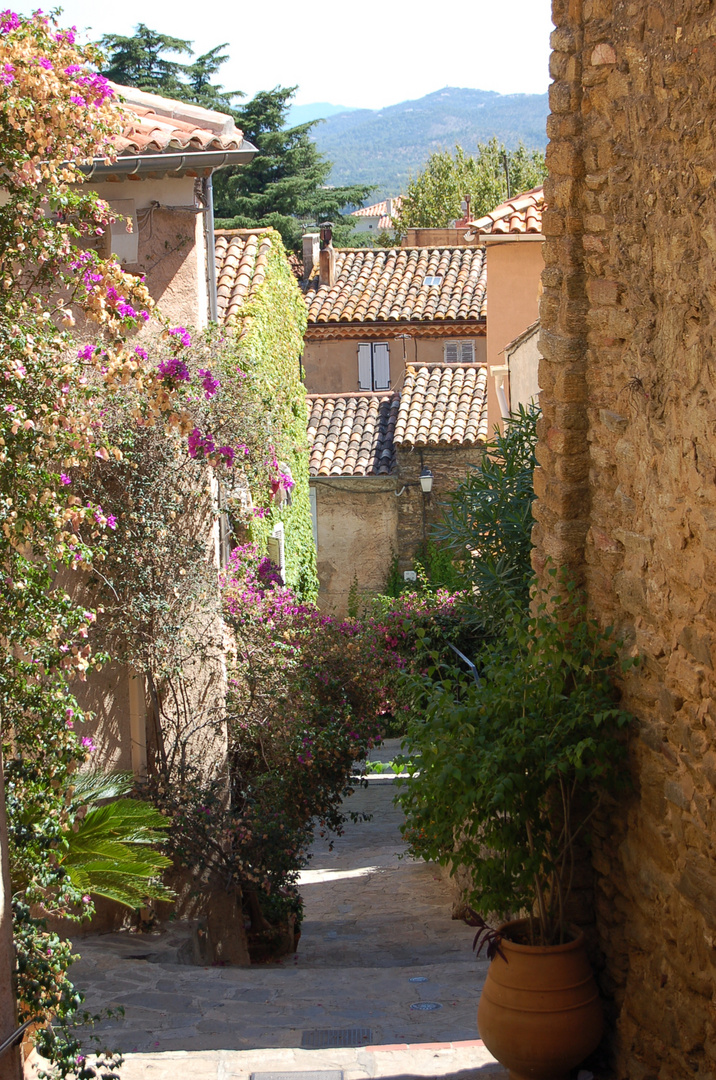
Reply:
x=114, y=852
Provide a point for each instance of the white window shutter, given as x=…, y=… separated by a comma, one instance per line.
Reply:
x=381, y=367
x=365, y=368
x=451, y=354
x=467, y=352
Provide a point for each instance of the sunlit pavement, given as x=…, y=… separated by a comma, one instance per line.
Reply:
x=379, y=955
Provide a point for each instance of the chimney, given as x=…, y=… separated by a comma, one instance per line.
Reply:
x=310, y=253
x=327, y=257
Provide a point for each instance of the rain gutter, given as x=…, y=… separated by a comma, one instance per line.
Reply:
x=144, y=164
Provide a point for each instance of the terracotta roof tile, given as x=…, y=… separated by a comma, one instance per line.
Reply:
x=155, y=125
x=241, y=259
x=380, y=210
x=443, y=405
x=389, y=285
x=352, y=434
x=523, y=214
x=358, y=434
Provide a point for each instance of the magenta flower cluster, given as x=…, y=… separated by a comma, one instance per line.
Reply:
x=181, y=336
x=210, y=384
x=176, y=369
x=8, y=21
x=95, y=89
x=200, y=446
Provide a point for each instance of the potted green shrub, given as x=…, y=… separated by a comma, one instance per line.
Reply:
x=512, y=768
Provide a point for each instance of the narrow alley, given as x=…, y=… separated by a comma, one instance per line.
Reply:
x=384, y=982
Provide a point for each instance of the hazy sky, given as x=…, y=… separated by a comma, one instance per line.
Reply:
x=370, y=54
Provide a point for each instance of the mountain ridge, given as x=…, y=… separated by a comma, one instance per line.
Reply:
x=386, y=146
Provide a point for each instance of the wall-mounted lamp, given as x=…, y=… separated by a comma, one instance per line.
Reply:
x=426, y=480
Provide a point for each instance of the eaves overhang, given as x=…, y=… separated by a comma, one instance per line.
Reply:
x=174, y=163
x=443, y=328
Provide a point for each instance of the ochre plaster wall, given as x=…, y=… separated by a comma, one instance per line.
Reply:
x=626, y=480
x=331, y=367
x=357, y=529
x=172, y=250
x=514, y=268
x=524, y=372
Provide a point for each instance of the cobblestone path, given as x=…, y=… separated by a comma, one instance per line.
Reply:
x=374, y=924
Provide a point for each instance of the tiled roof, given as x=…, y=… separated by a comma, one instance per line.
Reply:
x=156, y=125
x=388, y=285
x=523, y=214
x=357, y=434
x=443, y=405
x=241, y=259
x=352, y=434
x=380, y=210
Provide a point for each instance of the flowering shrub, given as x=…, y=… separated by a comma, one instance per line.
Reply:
x=305, y=704
x=55, y=115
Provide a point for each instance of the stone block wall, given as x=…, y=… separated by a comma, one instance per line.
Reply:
x=416, y=513
x=627, y=479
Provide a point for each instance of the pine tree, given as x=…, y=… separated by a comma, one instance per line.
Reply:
x=285, y=186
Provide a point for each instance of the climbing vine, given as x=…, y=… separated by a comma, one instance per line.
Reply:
x=268, y=349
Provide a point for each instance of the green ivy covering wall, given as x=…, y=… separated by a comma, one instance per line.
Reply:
x=267, y=346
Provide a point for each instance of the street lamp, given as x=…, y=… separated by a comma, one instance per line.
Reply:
x=426, y=480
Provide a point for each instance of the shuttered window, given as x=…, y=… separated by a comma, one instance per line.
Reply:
x=381, y=367
x=459, y=352
x=374, y=366
x=365, y=367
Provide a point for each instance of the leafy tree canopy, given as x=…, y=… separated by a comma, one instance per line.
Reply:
x=285, y=186
x=434, y=197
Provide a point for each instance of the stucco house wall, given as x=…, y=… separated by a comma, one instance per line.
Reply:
x=514, y=270
x=626, y=493
x=523, y=360
x=172, y=252
x=357, y=526
x=331, y=366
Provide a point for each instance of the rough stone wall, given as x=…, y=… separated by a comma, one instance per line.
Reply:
x=626, y=491
x=416, y=513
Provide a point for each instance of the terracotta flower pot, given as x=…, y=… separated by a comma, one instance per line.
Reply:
x=539, y=1013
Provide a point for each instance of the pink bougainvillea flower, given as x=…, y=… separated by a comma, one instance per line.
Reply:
x=8, y=21
x=210, y=384
x=174, y=368
x=199, y=444
x=181, y=336
x=64, y=478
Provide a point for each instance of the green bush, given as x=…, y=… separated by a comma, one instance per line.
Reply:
x=509, y=772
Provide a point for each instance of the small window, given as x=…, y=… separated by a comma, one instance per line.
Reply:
x=433, y=280
x=374, y=366
x=276, y=549
x=459, y=352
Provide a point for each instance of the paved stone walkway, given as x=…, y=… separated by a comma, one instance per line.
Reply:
x=373, y=922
